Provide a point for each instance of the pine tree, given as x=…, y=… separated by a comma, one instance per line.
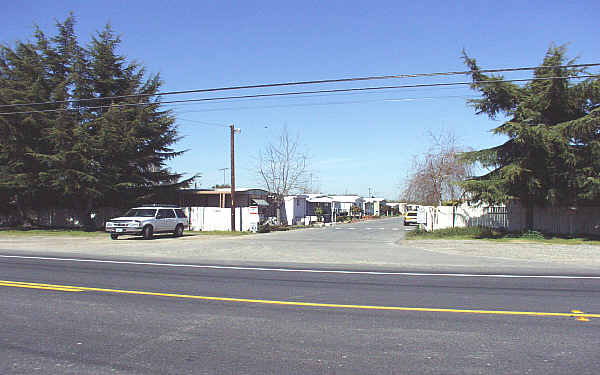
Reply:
x=551, y=155
x=23, y=79
x=132, y=136
x=89, y=151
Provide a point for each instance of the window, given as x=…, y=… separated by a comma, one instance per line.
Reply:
x=140, y=212
x=165, y=214
x=180, y=214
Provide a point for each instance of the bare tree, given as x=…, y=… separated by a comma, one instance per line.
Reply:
x=436, y=174
x=283, y=168
x=312, y=184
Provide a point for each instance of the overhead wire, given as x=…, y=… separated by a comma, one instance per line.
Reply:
x=297, y=83
x=203, y=122
x=297, y=93
x=323, y=104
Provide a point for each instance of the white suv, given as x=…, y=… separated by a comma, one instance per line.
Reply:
x=147, y=220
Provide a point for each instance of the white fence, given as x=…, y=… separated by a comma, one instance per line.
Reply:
x=201, y=218
x=558, y=220
x=442, y=217
x=215, y=218
x=561, y=220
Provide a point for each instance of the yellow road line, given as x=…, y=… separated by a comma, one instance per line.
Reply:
x=62, y=288
x=294, y=303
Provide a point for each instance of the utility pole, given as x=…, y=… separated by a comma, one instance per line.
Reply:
x=233, y=130
x=223, y=169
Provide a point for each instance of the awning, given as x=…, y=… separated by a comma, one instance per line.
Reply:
x=320, y=200
x=260, y=202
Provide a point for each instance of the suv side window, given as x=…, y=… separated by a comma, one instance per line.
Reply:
x=165, y=214
x=180, y=213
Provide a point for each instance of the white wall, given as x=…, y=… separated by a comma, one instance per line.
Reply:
x=215, y=218
x=344, y=206
x=461, y=216
x=559, y=220
x=295, y=210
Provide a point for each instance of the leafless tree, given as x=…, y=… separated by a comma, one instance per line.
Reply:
x=436, y=174
x=312, y=184
x=283, y=167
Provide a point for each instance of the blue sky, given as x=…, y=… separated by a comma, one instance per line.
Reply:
x=356, y=142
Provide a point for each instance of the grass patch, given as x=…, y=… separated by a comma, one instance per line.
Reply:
x=50, y=232
x=481, y=233
x=216, y=233
x=99, y=233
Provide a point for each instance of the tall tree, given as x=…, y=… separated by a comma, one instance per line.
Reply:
x=553, y=130
x=436, y=175
x=23, y=79
x=90, y=151
x=283, y=168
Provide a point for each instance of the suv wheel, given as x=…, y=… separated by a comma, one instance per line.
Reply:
x=178, y=230
x=148, y=232
x=114, y=236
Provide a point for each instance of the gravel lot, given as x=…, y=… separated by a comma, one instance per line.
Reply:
x=571, y=254
x=286, y=247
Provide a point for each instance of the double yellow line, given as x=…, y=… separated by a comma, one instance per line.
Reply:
x=69, y=288
x=62, y=288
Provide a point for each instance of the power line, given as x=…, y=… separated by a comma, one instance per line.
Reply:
x=297, y=93
x=203, y=122
x=297, y=83
x=174, y=106
x=327, y=103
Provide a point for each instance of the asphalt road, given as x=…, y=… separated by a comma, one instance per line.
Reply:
x=86, y=317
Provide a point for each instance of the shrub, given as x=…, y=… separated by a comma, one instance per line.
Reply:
x=280, y=228
x=532, y=235
x=461, y=232
x=264, y=228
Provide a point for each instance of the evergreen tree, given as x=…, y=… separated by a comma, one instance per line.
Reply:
x=132, y=135
x=23, y=79
x=551, y=155
x=89, y=151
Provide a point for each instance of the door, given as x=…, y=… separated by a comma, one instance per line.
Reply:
x=166, y=220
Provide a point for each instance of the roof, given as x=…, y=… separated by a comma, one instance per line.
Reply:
x=346, y=198
x=260, y=202
x=298, y=196
x=371, y=200
x=225, y=191
x=156, y=205
x=321, y=199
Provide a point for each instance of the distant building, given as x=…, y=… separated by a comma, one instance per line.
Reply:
x=373, y=206
x=221, y=197
x=324, y=202
x=295, y=209
x=342, y=204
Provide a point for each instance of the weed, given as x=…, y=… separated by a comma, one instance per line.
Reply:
x=532, y=235
x=499, y=234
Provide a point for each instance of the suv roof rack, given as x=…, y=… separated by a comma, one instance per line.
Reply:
x=159, y=205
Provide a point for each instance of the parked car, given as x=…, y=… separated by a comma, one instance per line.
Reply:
x=410, y=218
x=148, y=220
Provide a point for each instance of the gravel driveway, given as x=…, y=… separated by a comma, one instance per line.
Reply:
x=525, y=250
x=306, y=247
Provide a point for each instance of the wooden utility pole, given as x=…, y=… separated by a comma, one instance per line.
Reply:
x=232, y=178
x=224, y=170
x=233, y=131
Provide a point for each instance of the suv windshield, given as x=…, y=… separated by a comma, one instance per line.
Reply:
x=141, y=212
